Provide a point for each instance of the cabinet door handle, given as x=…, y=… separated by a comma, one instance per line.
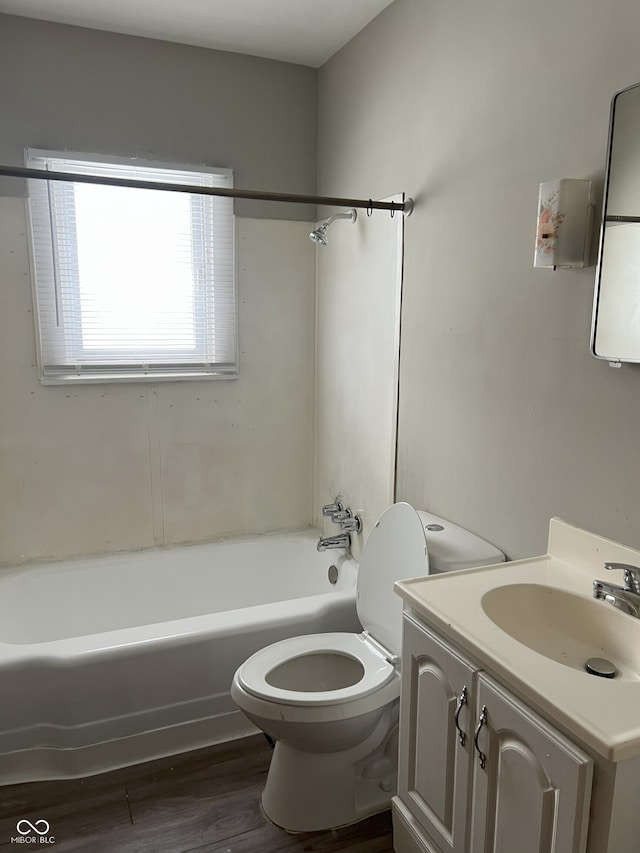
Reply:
x=462, y=700
x=482, y=720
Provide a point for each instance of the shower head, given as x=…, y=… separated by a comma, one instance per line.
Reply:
x=319, y=236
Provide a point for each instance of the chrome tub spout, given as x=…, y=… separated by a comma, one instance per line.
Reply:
x=343, y=540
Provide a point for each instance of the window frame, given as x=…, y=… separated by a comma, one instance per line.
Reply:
x=138, y=368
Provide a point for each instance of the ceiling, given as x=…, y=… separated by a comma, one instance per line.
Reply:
x=307, y=32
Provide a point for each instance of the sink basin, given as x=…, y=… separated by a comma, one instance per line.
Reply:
x=565, y=627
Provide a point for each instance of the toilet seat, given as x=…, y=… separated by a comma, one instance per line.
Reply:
x=253, y=675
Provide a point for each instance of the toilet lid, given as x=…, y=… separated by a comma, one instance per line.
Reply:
x=395, y=549
x=272, y=671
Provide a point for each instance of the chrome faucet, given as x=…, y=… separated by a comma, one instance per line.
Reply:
x=625, y=598
x=341, y=541
x=349, y=523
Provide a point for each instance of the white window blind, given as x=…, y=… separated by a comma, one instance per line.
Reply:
x=132, y=283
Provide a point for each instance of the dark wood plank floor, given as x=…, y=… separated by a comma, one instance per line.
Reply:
x=207, y=801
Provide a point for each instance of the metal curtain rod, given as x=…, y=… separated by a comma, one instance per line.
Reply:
x=43, y=175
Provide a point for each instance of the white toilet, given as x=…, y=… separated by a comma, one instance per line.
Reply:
x=330, y=701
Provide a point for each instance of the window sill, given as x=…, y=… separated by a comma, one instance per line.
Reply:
x=113, y=378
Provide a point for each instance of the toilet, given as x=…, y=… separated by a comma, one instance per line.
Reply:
x=330, y=701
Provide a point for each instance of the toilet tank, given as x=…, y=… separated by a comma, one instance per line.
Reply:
x=451, y=547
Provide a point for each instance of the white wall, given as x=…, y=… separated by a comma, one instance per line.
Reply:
x=109, y=467
x=505, y=419
x=92, y=468
x=357, y=329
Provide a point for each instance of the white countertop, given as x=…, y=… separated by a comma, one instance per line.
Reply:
x=604, y=713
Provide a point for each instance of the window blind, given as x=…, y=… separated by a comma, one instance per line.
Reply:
x=132, y=283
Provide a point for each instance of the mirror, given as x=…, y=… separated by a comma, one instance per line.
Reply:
x=615, y=333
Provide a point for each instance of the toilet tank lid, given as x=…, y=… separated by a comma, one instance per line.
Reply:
x=451, y=547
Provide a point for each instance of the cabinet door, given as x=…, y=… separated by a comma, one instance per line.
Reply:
x=534, y=791
x=434, y=766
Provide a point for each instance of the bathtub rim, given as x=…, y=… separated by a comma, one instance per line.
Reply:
x=123, y=640
x=61, y=648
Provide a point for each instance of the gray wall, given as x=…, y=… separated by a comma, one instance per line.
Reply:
x=69, y=87
x=505, y=419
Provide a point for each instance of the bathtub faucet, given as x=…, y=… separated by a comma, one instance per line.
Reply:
x=341, y=541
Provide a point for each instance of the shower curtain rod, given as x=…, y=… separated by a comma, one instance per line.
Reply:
x=256, y=195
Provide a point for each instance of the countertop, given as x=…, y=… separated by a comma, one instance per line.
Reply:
x=604, y=713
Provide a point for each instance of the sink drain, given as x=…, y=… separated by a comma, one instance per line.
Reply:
x=600, y=666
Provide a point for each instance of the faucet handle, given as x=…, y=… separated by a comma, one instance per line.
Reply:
x=332, y=509
x=351, y=523
x=339, y=517
x=631, y=575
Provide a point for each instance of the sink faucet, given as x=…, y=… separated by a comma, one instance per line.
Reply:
x=625, y=598
x=341, y=541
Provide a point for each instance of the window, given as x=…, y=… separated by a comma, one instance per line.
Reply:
x=131, y=283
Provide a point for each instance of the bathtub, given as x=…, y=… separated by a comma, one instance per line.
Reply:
x=114, y=660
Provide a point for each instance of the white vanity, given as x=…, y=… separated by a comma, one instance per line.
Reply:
x=507, y=743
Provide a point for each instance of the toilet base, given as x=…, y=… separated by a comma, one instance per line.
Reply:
x=307, y=792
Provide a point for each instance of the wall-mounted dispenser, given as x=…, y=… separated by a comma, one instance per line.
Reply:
x=565, y=223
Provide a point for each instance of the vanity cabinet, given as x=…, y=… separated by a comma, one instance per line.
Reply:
x=433, y=767
x=478, y=770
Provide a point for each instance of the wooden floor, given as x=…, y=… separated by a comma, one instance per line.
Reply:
x=206, y=801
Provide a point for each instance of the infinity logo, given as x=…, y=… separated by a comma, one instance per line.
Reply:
x=32, y=827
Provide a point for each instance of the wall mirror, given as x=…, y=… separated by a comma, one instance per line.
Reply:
x=615, y=332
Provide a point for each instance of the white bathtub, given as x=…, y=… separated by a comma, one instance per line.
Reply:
x=113, y=660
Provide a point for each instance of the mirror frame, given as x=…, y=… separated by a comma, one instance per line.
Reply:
x=614, y=361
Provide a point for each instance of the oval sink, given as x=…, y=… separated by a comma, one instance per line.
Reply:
x=566, y=628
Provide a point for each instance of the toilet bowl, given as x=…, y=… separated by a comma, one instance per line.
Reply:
x=330, y=701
